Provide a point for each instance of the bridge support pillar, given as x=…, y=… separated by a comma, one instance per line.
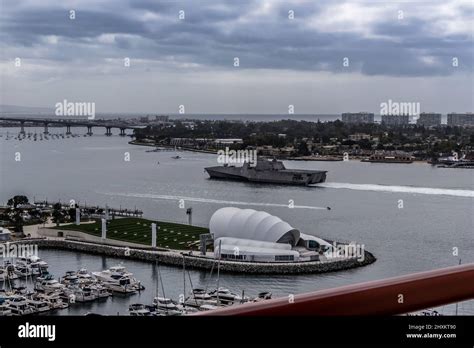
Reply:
x=22, y=128
x=89, y=130
x=46, y=128
x=122, y=132
x=68, y=129
x=108, y=131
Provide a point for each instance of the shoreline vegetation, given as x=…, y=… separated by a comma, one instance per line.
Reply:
x=312, y=141
x=171, y=147
x=308, y=158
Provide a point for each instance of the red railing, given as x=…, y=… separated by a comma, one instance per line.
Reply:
x=391, y=296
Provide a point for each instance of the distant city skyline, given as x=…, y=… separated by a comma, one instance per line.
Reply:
x=152, y=57
x=27, y=110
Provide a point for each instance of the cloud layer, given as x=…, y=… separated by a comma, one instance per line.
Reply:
x=386, y=40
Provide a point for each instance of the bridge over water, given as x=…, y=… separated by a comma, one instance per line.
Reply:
x=68, y=123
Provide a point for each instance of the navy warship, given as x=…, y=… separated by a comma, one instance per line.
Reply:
x=272, y=172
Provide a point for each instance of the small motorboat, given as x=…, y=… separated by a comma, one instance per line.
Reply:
x=139, y=310
x=225, y=297
x=265, y=295
x=5, y=310
x=199, y=297
x=204, y=308
x=167, y=306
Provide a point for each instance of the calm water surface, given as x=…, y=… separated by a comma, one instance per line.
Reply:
x=409, y=216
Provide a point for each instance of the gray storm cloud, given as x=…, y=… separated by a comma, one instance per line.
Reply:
x=191, y=60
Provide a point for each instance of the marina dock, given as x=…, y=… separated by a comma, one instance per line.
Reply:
x=93, y=208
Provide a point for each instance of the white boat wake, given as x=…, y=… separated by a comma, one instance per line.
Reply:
x=214, y=201
x=398, y=189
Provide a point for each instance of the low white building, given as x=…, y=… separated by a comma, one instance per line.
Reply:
x=250, y=235
x=5, y=234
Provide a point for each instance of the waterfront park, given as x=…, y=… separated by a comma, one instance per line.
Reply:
x=138, y=230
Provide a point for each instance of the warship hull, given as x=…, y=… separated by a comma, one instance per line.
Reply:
x=283, y=177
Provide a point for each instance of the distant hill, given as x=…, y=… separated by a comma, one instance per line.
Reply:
x=16, y=109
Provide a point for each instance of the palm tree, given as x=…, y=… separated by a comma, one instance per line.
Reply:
x=57, y=213
x=14, y=213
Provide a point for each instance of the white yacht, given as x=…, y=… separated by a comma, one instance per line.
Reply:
x=123, y=285
x=5, y=234
x=190, y=310
x=84, y=294
x=167, y=306
x=37, y=265
x=5, y=310
x=118, y=270
x=54, y=300
x=139, y=310
x=20, y=290
x=118, y=279
x=5, y=295
x=100, y=290
x=48, y=284
x=38, y=305
x=67, y=295
x=115, y=272
x=225, y=296
x=19, y=306
x=7, y=273
x=200, y=297
x=207, y=307
x=23, y=271
x=70, y=278
x=84, y=276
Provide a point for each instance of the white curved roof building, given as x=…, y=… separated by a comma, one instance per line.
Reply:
x=250, y=235
x=252, y=224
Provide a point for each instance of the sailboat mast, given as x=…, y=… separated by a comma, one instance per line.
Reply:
x=184, y=277
x=157, y=279
x=457, y=303
x=218, y=270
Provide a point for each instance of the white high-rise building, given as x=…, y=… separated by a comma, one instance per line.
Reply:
x=464, y=119
x=358, y=117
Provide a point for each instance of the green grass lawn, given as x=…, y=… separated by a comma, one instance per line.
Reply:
x=136, y=230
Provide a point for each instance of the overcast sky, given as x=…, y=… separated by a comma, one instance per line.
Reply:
x=396, y=50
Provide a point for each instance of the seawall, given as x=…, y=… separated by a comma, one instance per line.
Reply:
x=175, y=258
